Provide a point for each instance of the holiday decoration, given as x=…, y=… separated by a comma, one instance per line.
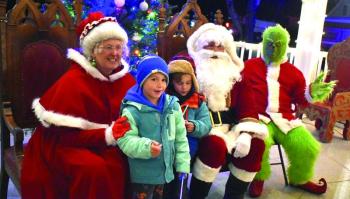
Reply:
x=143, y=6
x=141, y=22
x=137, y=17
x=119, y=3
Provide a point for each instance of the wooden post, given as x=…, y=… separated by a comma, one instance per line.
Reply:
x=161, y=32
x=219, y=17
x=313, y=13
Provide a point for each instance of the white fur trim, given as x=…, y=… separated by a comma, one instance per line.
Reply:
x=259, y=130
x=273, y=73
x=109, y=136
x=284, y=124
x=48, y=117
x=121, y=73
x=265, y=119
x=241, y=174
x=219, y=34
x=103, y=31
x=86, y=65
x=308, y=94
x=39, y=110
x=203, y=172
x=228, y=136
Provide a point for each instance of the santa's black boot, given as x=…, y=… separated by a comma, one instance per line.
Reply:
x=235, y=188
x=198, y=188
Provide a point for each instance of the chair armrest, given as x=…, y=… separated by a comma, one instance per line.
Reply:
x=13, y=128
x=342, y=99
x=341, y=106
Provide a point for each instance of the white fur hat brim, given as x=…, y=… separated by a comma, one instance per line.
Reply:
x=104, y=31
x=210, y=32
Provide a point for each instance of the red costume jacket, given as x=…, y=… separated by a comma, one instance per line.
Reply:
x=68, y=155
x=276, y=89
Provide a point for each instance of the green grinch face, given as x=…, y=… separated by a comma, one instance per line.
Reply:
x=275, y=44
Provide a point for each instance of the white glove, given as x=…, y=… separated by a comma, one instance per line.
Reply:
x=242, y=145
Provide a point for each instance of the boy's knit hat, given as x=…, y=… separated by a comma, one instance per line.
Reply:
x=183, y=66
x=149, y=65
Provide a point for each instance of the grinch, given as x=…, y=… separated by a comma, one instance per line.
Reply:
x=279, y=87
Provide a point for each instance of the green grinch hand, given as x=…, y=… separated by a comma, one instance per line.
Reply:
x=321, y=90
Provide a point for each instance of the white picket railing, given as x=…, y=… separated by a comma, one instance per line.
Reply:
x=249, y=50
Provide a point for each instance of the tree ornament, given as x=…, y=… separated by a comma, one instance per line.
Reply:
x=143, y=6
x=119, y=3
x=136, y=37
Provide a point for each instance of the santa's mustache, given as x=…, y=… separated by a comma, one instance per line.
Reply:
x=210, y=54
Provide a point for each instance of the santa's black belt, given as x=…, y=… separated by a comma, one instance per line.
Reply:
x=215, y=118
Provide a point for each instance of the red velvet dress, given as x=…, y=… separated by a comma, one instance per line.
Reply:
x=68, y=155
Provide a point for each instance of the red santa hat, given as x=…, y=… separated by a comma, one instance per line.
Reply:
x=210, y=32
x=96, y=28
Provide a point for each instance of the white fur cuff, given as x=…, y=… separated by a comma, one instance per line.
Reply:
x=259, y=130
x=241, y=174
x=109, y=137
x=264, y=119
x=204, y=172
x=47, y=118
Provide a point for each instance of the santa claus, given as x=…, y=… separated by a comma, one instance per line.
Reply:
x=237, y=138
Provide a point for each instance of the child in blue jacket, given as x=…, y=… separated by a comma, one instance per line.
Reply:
x=157, y=140
x=183, y=84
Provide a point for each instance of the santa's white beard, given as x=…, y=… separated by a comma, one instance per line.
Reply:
x=216, y=77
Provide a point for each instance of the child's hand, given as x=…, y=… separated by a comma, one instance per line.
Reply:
x=156, y=148
x=189, y=126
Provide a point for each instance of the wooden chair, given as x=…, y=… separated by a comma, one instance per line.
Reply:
x=34, y=39
x=172, y=38
x=337, y=108
x=281, y=162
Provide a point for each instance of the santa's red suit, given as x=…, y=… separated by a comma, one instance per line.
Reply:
x=70, y=154
x=236, y=138
x=217, y=149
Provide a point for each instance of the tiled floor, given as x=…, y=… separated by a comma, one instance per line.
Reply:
x=333, y=165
